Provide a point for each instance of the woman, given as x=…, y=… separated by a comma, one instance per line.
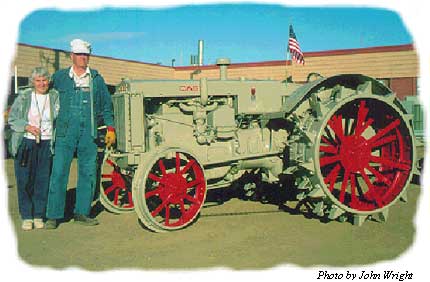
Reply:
x=32, y=118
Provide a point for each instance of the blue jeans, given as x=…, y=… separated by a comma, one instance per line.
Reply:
x=33, y=179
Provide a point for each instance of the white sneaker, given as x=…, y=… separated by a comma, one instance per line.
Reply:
x=27, y=224
x=38, y=223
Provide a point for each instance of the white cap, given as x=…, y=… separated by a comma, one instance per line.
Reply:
x=80, y=46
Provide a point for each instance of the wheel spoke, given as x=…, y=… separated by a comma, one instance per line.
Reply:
x=376, y=198
x=332, y=176
x=390, y=163
x=384, y=131
x=109, y=189
x=130, y=201
x=371, y=189
x=364, y=127
x=361, y=117
x=115, y=200
x=366, y=179
x=344, y=186
x=378, y=175
x=346, y=128
x=167, y=215
x=156, y=178
x=178, y=163
x=162, y=167
x=383, y=141
x=182, y=205
x=388, y=192
x=354, y=199
x=188, y=166
x=326, y=140
x=329, y=139
x=192, y=199
x=165, y=202
x=151, y=193
x=329, y=149
x=194, y=183
x=335, y=124
x=360, y=191
x=401, y=145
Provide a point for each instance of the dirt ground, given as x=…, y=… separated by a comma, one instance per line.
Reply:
x=239, y=235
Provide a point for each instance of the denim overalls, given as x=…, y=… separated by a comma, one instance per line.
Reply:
x=77, y=137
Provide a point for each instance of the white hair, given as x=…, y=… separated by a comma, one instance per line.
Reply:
x=39, y=71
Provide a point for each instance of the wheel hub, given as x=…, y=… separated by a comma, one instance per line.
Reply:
x=174, y=188
x=354, y=153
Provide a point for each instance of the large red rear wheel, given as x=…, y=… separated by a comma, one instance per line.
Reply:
x=365, y=155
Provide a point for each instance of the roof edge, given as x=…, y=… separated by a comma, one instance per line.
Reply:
x=340, y=52
x=93, y=55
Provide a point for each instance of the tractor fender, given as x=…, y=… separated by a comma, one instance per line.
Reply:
x=347, y=80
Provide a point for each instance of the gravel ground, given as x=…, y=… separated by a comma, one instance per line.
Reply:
x=237, y=235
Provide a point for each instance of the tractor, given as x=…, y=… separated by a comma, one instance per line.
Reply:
x=345, y=142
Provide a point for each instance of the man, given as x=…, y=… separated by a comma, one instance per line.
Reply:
x=84, y=99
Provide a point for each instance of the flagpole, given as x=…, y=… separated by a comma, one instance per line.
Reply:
x=286, y=63
x=288, y=57
x=288, y=73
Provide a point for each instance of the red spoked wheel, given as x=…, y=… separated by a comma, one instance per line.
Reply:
x=115, y=188
x=365, y=155
x=171, y=192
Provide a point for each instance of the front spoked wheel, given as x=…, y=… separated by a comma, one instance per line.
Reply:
x=170, y=190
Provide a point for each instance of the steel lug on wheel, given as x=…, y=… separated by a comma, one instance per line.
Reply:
x=359, y=219
x=319, y=209
x=317, y=192
x=382, y=216
x=335, y=212
x=404, y=197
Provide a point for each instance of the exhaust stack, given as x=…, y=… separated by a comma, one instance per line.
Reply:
x=223, y=64
x=200, y=53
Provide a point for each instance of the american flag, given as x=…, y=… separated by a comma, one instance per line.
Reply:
x=294, y=48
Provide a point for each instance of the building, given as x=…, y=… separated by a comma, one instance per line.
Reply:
x=396, y=66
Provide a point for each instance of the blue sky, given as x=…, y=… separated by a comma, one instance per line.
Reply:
x=242, y=32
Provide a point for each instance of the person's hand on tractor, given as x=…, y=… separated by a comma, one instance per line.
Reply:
x=110, y=137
